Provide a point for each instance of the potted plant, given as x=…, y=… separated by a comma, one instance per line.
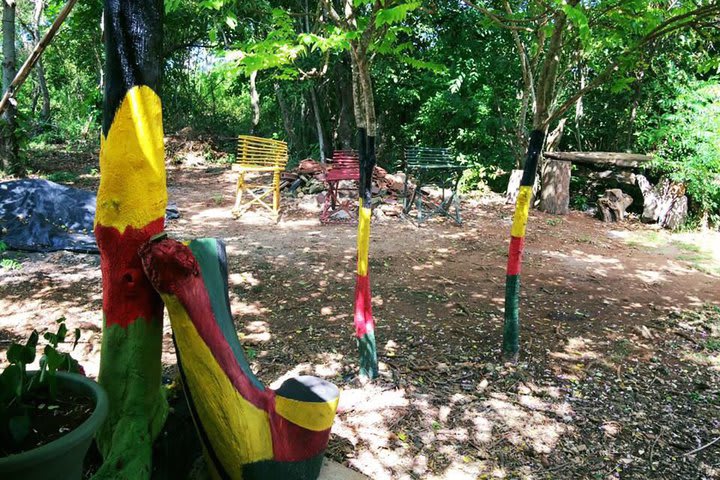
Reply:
x=48, y=417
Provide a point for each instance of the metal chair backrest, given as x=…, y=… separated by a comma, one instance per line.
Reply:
x=421, y=158
x=345, y=165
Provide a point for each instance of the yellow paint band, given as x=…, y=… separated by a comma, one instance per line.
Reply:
x=363, y=239
x=240, y=430
x=132, y=164
x=522, y=209
x=316, y=416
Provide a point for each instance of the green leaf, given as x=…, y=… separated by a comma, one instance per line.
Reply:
x=231, y=21
x=54, y=358
x=577, y=17
x=77, y=338
x=390, y=16
x=20, y=354
x=11, y=382
x=19, y=427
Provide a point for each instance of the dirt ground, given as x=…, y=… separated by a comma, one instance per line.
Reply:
x=619, y=375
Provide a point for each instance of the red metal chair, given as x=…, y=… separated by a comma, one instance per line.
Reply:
x=345, y=165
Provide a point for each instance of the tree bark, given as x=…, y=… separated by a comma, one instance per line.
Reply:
x=254, y=102
x=35, y=55
x=9, y=153
x=42, y=83
x=343, y=129
x=318, y=124
x=555, y=193
x=130, y=210
x=287, y=119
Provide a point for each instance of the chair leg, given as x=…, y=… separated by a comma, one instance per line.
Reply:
x=276, y=195
x=240, y=189
x=419, y=200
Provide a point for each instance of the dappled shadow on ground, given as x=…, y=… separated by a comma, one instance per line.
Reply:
x=615, y=380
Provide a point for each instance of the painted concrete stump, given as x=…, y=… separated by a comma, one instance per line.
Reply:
x=130, y=209
x=248, y=431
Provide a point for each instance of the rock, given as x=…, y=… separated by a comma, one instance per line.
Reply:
x=340, y=215
x=664, y=203
x=310, y=166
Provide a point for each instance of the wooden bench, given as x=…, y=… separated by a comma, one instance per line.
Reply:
x=259, y=156
x=344, y=166
x=432, y=166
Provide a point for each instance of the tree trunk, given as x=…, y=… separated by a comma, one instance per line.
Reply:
x=42, y=83
x=511, y=328
x=131, y=204
x=513, y=187
x=364, y=322
x=318, y=123
x=254, y=102
x=9, y=154
x=287, y=119
x=343, y=137
x=555, y=192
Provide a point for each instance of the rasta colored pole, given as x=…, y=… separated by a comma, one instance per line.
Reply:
x=131, y=204
x=364, y=323
x=511, y=329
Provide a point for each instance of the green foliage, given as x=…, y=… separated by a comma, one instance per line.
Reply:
x=686, y=143
x=10, y=264
x=62, y=177
x=18, y=389
x=444, y=74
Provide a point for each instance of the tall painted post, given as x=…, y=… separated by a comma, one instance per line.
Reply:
x=364, y=323
x=511, y=330
x=130, y=209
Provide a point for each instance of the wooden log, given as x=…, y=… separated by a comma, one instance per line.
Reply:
x=619, y=159
x=248, y=431
x=555, y=191
x=612, y=205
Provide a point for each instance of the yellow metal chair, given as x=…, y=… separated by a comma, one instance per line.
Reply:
x=260, y=156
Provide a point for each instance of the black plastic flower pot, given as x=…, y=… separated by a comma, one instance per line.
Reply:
x=61, y=459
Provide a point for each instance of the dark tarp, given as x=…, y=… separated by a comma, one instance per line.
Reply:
x=42, y=216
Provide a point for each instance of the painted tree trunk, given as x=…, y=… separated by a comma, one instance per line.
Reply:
x=131, y=204
x=248, y=431
x=364, y=108
x=364, y=322
x=511, y=330
x=9, y=152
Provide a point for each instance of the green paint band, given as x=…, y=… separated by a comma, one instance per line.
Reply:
x=138, y=406
x=368, y=355
x=511, y=330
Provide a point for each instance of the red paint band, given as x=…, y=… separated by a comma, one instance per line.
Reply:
x=175, y=271
x=293, y=443
x=128, y=294
x=515, y=255
x=363, y=306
